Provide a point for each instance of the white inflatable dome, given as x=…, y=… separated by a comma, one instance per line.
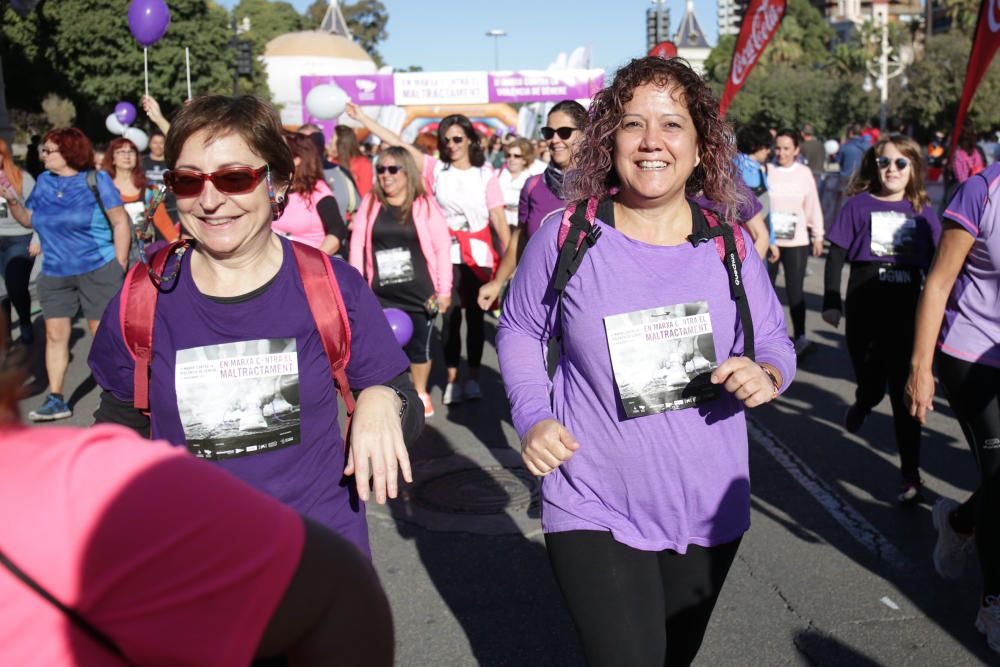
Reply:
x=296, y=54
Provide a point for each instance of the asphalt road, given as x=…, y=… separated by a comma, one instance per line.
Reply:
x=832, y=571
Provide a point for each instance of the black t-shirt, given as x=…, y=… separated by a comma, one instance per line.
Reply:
x=154, y=176
x=400, y=275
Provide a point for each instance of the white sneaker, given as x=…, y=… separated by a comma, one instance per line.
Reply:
x=988, y=621
x=951, y=548
x=472, y=390
x=452, y=394
x=801, y=344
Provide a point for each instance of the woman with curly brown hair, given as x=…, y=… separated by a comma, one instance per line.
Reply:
x=642, y=445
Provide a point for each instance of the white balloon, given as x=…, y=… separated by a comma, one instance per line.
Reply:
x=113, y=125
x=831, y=146
x=326, y=101
x=137, y=137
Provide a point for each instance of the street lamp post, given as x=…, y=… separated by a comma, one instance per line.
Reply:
x=883, y=68
x=496, y=34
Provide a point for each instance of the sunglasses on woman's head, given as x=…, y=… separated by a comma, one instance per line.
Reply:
x=229, y=181
x=455, y=140
x=391, y=168
x=563, y=132
x=900, y=162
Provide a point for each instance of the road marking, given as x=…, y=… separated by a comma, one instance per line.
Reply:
x=889, y=603
x=836, y=506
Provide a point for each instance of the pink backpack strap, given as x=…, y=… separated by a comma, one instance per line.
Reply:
x=720, y=243
x=328, y=310
x=533, y=183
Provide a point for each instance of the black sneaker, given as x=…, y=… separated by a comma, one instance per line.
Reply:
x=854, y=418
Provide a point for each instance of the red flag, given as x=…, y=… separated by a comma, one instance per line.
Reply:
x=760, y=22
x=664, y=50
x=984, y=47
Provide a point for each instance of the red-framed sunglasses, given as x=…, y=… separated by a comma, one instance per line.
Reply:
x=230, y=181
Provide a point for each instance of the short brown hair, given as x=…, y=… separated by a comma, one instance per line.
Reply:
x=527, y=150
x=867, y=179
x=74, y=146
x=715, y=176
x=252, y=119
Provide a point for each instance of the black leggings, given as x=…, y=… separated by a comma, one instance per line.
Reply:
x=637, y=608
x=793, y=261
x=880, y=319
x=464, y=296
x=973, y=390
x=17, y=264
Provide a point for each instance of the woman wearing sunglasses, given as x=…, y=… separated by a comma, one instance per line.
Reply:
x=121, y=162
x=887, y=230
x=84, y=252
x=238, y=371
x=400, y=244
x=516, y=171
x=311, y=215
x=541, y=194
x=469, y=194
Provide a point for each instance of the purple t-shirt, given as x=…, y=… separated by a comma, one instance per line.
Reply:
x=537, y=201
x=655, y=481
x=872, y=230
x=247, y=385
x=971, y=328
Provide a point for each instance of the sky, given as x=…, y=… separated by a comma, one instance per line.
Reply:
x=448, y=35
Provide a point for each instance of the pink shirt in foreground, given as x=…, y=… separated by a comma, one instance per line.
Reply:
x=174, y=559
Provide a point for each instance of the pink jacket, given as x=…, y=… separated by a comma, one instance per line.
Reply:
x=432, y=233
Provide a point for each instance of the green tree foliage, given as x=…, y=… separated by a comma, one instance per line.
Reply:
x=82, y=50
x=366, y=19
x=934, y=87
x=268, y=19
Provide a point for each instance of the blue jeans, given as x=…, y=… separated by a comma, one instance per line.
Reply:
x=15, y=265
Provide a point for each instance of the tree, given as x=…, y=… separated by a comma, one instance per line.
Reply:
x=268, y=19
x=934, y=87
x=82, y=50
x=366, y=19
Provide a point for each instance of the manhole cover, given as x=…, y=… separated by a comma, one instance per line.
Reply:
x=489, y=490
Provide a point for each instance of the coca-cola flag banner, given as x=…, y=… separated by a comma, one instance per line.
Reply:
x=984, y=47
x=759, y=24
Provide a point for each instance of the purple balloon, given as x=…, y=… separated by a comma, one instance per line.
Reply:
x=148, y=20
x=125, y=112
x=402, y=325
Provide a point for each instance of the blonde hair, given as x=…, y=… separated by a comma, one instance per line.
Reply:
x=414, y=181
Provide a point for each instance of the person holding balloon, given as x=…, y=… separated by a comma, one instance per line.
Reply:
x=469, y=195
x=85, y=252
x=121, y=162
x=401, y=245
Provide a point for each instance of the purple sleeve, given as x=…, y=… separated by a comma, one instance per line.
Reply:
x=376, y=356
x=771, y=341
x=842, y=231
x=109, y=360
x=524, y=201
x=529, y=316
x=750, y=206
x=966, y=207
x=930, y=215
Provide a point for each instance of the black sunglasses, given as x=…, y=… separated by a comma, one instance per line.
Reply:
x=454, y=140
x=563, y=132
x=391, y=168
x=900, y=162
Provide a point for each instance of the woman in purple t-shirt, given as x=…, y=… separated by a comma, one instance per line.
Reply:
x=887, y=230
x=958, y=311
x=541, y=194
x=640, y=438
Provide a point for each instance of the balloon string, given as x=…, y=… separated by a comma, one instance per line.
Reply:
x=187, y=61
x=145, y=67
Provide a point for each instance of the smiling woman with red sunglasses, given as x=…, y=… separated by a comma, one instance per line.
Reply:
x=239, y=374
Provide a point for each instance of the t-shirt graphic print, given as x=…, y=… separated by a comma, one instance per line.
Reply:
x=239, y=399
x=662, y=358
x=395, y=265
x=893, y=234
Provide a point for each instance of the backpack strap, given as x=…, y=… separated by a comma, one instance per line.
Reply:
x=137, y=312
x=330, y=314
x=577, y=233
x=533, y=183
x=731, y=248
x=92, y=185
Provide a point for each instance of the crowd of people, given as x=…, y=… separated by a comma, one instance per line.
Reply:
x=235, y=281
